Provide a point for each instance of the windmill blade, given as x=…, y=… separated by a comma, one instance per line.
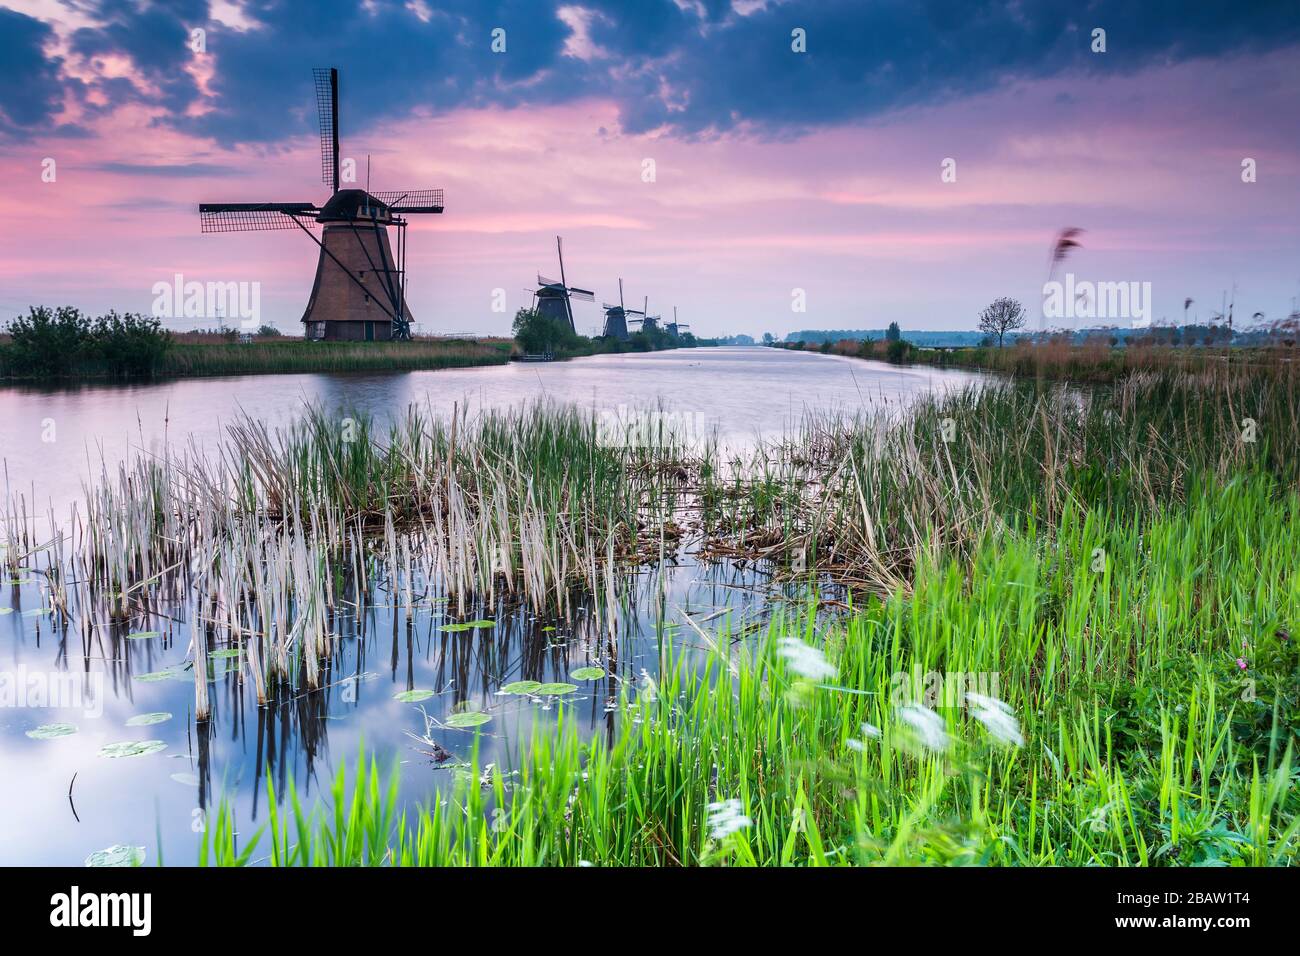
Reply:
x=327, y=108
x=406, y=201
x=542, y=280
x=255, y=216
x=582, y=295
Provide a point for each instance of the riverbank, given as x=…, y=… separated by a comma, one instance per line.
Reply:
x=970, y=641
x=1049, y=656
x=276, y=355
x=1092, y=363
x=298, y=355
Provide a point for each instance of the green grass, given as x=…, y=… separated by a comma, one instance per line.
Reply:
x=295, y=355
x=1144, y=740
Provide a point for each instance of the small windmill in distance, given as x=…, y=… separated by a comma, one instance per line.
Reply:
x=616, y=317
x=677, y=329
x=554, y=299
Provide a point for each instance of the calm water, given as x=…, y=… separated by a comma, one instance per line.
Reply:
x=158, y=800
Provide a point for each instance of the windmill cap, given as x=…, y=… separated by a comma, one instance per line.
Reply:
x=347, y=204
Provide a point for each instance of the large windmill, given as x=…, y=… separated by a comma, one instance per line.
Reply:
x=554, y=299
x=617, y=317
x=360, y=287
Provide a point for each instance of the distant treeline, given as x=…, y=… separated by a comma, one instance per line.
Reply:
x=916, y=337
x=1192, y=334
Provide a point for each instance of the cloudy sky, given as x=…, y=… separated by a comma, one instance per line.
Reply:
x=774, y=170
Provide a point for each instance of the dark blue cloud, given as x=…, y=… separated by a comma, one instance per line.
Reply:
x=30, y=87
x=696, y=68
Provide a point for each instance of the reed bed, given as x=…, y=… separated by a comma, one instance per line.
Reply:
x=273, y=356
x=261, y=543
x=1140, y=711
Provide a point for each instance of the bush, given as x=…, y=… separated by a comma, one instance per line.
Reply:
x=45, y=343
x=898, y=351
x=128, y=346
x=51, y=343
x=539, y=334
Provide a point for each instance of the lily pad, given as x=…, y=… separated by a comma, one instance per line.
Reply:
x=50, y=731
x=143, y=635
x=132, y=748
x=413, y=696
x=469, y=718
x=188, y=779
x=225, y=653
x=144, y=720
x=467, y=625
x=521, y=687
x=6, y=610
x=549, y=627
x=171, y=673
x=38, y=612
x=557, y=688
x=588, y=673
x=119, y=855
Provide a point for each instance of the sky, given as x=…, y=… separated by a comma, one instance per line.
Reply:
x=762, y=166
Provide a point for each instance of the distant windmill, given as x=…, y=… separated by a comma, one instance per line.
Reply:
x=646, y=321
x=360, y=287
x=617, y=317
x=677, y=329
x=553, y=298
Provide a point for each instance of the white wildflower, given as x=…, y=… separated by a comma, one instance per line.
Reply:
x=648, y=690
x=805, y=660
x=997, y=718
x=869, y=732
x=930, y=730
x=726, y=818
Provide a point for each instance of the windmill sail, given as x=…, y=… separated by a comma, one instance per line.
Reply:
x=327, y=108
x=256, y=216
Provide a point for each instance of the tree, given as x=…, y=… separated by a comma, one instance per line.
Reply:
x=769, y=338
x=540, y=334
x=1002, y=316
x=893, y=333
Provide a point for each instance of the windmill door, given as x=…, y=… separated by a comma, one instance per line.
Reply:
x=370, y=331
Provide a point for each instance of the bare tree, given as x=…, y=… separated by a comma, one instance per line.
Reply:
x=1001, y=317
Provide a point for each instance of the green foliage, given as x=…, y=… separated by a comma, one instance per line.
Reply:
x=893, y=333
x=1141, y=741
x=540, y=334
x=56, y=343
x=128, y=346
x=46, y=342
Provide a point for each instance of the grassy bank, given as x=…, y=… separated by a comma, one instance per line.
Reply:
x=63, y=344
x=1070, y=644
x=1146, y=711
x=1091, y=363
x=268, y=356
